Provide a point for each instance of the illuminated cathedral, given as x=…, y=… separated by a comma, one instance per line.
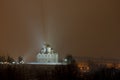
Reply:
x=47, y=55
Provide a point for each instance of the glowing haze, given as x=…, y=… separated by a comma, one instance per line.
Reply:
x=77, y=27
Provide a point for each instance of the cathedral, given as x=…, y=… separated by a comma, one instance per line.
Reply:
x=47, y=55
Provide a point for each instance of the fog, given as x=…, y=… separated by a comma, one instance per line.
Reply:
x=77, y=27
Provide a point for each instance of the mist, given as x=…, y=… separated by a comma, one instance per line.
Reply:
x=77, y=27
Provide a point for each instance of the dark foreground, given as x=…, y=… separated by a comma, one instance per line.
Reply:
x=55, y=72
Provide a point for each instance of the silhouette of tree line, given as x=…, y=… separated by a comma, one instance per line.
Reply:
x=55, y=72
x=10, y=60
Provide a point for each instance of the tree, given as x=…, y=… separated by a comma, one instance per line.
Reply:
x=3, y=59
x=10, y=59
x=20, y=59
x=69, y=59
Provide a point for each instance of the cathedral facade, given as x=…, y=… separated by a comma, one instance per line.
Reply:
x=47, y=55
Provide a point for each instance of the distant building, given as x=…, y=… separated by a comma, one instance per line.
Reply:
x=47, y=55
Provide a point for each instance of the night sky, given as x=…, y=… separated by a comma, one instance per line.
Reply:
x=77, y=27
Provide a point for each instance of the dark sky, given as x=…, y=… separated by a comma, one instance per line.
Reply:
x=77, y=27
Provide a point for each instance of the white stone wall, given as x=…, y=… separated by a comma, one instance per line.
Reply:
x=47, y=58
